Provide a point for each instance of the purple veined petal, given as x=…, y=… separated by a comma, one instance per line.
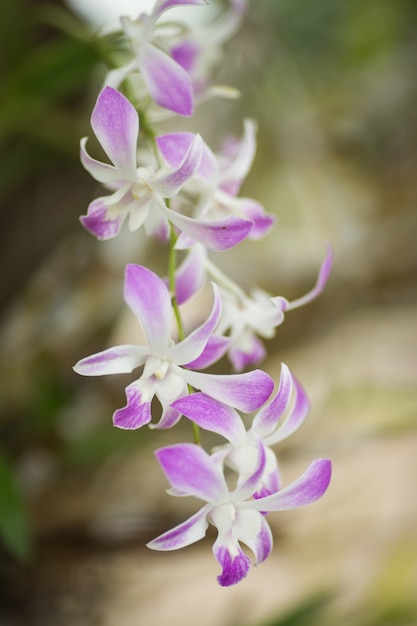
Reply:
x=168, y=83
x=212, y=415
x=235, y=563
x=294, y=419
x=190, y=531
x=168, y=185
x=118, y=360
x=252, y=355
x=190, y=469
x=102, y=172
x=163, y=5
x=322, y=278
x=235, y=174
x=190, y=275
x=308, y=488
x=271, y=483
x=261, y=545
x=116, y=125
x=252, y=210
x=137, y=411
x=267, y=418
x=215, y=348
x=245, y=392
x=192, y=346
x=174, y=146
x=217, y=235
x=149, y=299
x=98, y=223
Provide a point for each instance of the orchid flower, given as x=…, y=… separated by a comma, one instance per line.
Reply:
x=244, y=318
x=218, y=179
x=167, y=82
x=238, y=519
x=138, y=193
x=165, y=374
x=275, y=421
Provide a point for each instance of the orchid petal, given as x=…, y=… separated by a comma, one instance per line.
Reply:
x=192, y=346
x=137, y=411
x=261, y=545
x=168, y=185
x=116, y=125
x=149, y=299
x=218, y=235
x=212, y=415
x=267, y=418
x=245, y=392
x=98, y=223
x=294, y=419
x=190, y=531
x=119, y=360
x=235, y=563
x=102, y=172
x=322, y=278
x=190, y=275
x=252, y=210
x=248, y=486
x=215, y=348
x=168, y=83
x=190, y=470
x=305, y=490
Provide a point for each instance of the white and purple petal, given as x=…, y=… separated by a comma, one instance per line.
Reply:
x=168, y=83
x=149, y=299
x=98, y=222
x=295, y=418
x=267, y=418
x=163, y=5
x=190, y=531
x=245, y=392
x=261, y=544
x=308, y=488
x=190, y=470
x=219, y=235
x=192, y=346
x=137, y=411
x=253, y=352
x=118, y=360
x=116, y=125
x=215, y=348
x=190, y=275
x=322, y=279
x=212, y=415
x=235, y=563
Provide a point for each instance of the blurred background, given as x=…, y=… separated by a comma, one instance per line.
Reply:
x=333, y=87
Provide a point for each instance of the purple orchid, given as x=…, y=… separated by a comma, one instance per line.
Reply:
x=275, y=421
x=238, y=519
x=219, y=179
x=138, y=193
x=165, y=374
x=165, y=79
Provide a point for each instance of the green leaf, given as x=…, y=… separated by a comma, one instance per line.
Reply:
x=14, y=526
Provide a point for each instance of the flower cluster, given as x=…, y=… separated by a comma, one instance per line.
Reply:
x=184, y=194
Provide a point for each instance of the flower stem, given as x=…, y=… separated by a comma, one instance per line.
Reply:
x=172, y=260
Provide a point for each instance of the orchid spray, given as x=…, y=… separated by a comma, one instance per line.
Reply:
x=185, y=195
